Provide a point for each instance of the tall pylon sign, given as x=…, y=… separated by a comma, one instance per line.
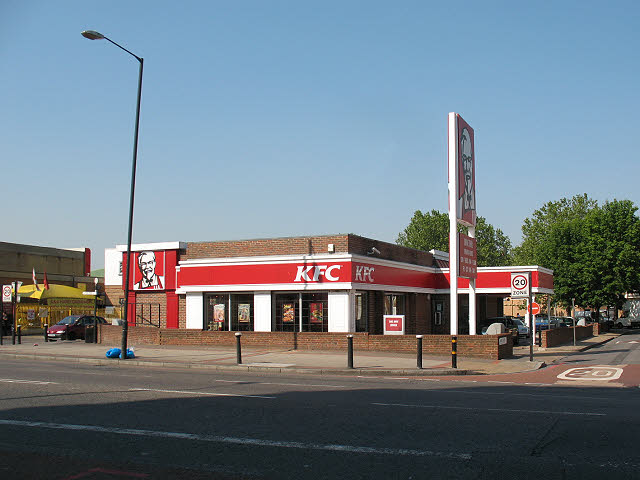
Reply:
x=462, y=211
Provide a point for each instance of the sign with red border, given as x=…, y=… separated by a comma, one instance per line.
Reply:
x=393, y=324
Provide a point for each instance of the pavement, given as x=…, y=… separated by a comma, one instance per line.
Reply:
x=223, y=358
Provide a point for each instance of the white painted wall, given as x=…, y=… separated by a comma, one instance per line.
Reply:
x=195, y=310
x=262, y=312
x=340, y=312
x=112, y=267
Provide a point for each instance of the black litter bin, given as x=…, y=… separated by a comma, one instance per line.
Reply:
x=89, y=334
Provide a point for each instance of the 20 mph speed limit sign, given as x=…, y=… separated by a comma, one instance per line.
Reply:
x=6, y=293
x=519, y=285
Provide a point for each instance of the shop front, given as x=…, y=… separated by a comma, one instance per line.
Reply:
x=326, y=284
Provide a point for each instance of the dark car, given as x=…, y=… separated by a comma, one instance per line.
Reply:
x=509, y=324
x=72, y=327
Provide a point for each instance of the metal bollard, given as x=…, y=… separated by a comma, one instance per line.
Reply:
x=13, y=334
x=238, y=349
x=46, y=327
x=19, y=334
x=454, y=352
x=419, y=352
x=349, y=351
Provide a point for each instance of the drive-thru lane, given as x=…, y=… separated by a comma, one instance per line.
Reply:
x=613, y=364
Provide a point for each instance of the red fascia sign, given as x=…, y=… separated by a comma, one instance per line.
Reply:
x=316, y=272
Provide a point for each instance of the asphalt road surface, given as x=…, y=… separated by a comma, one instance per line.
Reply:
x=83, y=421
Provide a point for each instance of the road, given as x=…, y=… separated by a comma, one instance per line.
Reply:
x=64, y=421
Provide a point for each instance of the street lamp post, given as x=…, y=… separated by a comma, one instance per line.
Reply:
x=93, y=35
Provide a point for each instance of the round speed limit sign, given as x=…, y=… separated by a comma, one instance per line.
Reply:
x=519, y=285
x=6, y=293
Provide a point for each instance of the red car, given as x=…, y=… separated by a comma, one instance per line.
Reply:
x=72, y=327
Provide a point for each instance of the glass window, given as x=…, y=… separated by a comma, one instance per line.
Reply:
x=315, y=312
x=362, y=317
x=217, y=313
x=393, y=304
x=242, y=312
x=287, y=312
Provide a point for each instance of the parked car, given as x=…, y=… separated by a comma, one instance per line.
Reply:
x=523, y=330
x=508, y=322
x=542, y=323
x=72, y=327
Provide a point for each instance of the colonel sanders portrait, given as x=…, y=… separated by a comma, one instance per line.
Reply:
x=468, y=201
x=147, y=266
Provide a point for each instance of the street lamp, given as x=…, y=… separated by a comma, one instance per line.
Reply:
x=93, y=35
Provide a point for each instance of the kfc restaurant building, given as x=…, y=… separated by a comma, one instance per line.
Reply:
x=323, y=284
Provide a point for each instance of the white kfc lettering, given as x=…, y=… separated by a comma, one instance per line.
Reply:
x=303, y=273
x=364, y=274
x=328, y=274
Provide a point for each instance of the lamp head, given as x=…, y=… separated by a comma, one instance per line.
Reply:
x=92, y=35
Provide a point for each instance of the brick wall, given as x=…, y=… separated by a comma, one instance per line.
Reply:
x=560, y=336
x=348, y=243
x=267, y=246
x=484, y=346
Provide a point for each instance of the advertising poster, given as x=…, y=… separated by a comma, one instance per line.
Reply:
x=244, y=313
x=218, y=312
x=315, y=313
x=288, y=313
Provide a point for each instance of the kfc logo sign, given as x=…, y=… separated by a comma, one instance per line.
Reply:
x=314, y=273
x=364, y=274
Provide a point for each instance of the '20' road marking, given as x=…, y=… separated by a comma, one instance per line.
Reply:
x=597, y=373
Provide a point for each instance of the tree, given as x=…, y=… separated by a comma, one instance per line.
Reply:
x=596, y=257
x=430, y=230
x=426, y=231
x=536, y=229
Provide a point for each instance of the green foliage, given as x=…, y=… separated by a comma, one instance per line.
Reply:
x=430, y=230
x=536, y=229
x=594, y=251
x=426, y=231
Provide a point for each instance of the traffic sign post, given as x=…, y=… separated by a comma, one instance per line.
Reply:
x=533, y=308
x=532, y=322
x=520, y=285
x=6, y=294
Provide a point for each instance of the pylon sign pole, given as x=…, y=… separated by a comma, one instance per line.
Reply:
x=462, y=210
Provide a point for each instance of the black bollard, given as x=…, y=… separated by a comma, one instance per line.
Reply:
x=238, y=349
x=13, y=334
x=46, y=327
x=349, y=351
x=19, y=334
x=419, y=352
x=454, y=352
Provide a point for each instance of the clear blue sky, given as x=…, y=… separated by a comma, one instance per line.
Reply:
x=286, y=118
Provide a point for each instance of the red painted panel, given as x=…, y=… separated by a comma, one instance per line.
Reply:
x=172, y=310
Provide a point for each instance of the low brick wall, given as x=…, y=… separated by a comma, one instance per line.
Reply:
x=484, y=346
x=560, y=336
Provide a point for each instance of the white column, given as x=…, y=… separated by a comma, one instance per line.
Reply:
x=453, y=224
x=340, y=312
x=262, y=311
x=472, y=294
x=195, y=310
